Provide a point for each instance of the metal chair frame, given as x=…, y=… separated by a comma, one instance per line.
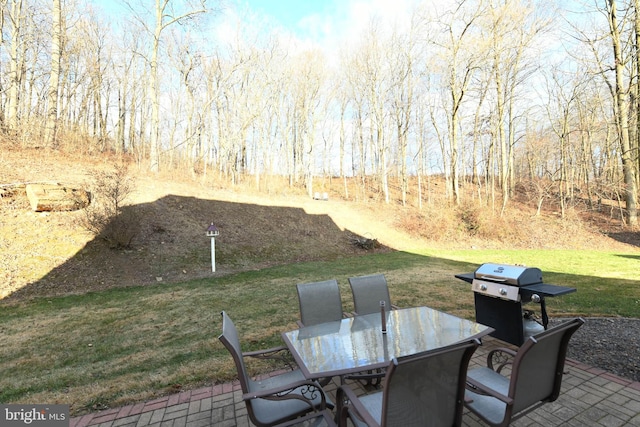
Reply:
x=278, y=398
x=536, y=372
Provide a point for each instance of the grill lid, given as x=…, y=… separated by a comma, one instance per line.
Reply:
x=515, y=275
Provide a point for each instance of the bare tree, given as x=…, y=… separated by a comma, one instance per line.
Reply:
x=126, y=64
x=165, y=13
x=513, y=27
x=54, y=79
x=402, y=59
x=563, y=95
x=461, y=53
x=16, y=61
x=355, y=91
x=375, y=74
x=622, y=116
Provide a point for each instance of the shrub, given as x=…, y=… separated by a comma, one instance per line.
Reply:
x=471, y=218
x=107, y=216
x=434, y=223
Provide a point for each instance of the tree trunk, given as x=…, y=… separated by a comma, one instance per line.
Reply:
x=16, y=61
x=56, y=54
x=628, y=165
x=154, y=150
x=636, y=47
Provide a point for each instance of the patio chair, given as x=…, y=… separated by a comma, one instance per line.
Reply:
x=278, y=398
x=535, y=377
x=320, y=302
x=425, y=389
x=367, y=293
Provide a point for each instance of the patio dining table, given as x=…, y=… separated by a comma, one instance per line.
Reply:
x=357, y=344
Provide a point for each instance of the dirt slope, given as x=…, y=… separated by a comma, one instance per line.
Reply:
x=51, y=254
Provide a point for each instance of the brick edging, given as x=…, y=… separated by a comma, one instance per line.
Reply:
x=602, y=373
x=152, y=405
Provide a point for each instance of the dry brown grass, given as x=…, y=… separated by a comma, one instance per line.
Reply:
x=113, y=351
x=262, y=223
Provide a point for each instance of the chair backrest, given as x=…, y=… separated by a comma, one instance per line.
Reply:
x=368, y=291
x=427, y=389
x=539, y=364
x=320, y=302
x=229, y=338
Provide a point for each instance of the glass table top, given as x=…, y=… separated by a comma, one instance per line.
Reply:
x=357, y=343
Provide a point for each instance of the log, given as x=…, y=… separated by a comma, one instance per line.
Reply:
x=56, y=198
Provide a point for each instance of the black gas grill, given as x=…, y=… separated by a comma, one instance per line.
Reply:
x=501, y=290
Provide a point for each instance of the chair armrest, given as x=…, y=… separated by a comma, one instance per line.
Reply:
x=280, y=353
x=310, y=390
x=480, y=388
x=369, y=375
x=265, y=354
x=500, y=357
x=348, y=401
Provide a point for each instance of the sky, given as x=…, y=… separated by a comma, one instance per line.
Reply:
x=292, y=14
x=324, y=23
x=328, y=21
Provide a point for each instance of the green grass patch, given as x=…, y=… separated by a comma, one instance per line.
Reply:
x=114, y=347
x=606, y=282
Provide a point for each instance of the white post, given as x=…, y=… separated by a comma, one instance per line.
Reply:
x=213, y=254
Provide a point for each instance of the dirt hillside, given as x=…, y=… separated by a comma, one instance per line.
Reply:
x=50, y=253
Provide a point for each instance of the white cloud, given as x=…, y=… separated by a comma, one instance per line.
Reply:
x=336, y=25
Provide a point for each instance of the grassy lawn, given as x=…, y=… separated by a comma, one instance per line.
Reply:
x=109, y=348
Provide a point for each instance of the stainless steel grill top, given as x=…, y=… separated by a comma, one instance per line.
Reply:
x=514, y=275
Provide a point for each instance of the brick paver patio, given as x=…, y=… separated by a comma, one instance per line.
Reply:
x=590, y=397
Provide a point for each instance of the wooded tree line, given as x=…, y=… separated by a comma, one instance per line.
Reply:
x=532, y=96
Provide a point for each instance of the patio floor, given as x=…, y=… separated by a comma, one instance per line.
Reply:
x=590, y=397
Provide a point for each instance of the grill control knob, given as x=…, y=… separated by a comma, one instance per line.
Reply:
x=483, y=287
x=503, y=291
x=535, y=298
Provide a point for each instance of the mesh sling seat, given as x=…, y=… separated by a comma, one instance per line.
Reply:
x=320, y=302
x=367, y=293
x=314, y=419
x=276, y=399
x=535, y=379
x=425, y=390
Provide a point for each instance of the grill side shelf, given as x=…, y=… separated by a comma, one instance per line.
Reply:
x=547, y=290
x=467, y=277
